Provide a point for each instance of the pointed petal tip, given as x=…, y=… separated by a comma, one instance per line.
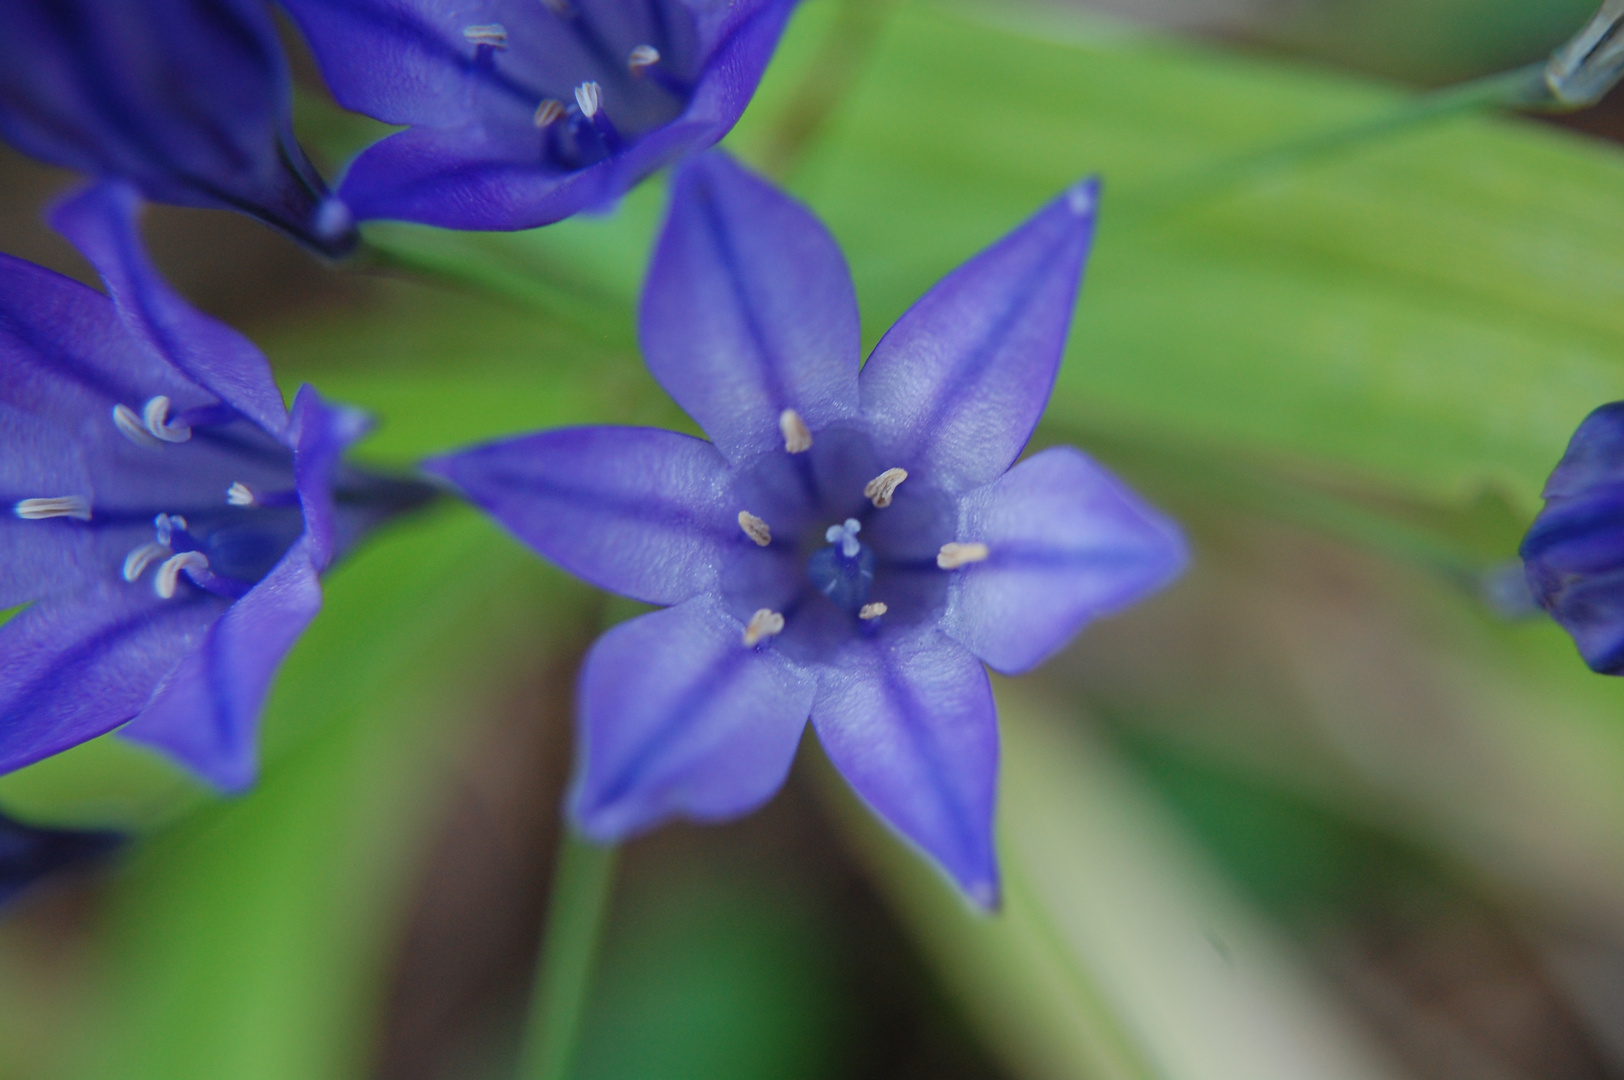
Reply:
x=1083, y=198
x=985, y=896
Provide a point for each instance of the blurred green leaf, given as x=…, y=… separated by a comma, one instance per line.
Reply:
x=1118, y=951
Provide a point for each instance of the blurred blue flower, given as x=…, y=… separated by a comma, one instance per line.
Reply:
x=189, y=100
x=523, y=112
x=166, y=516
x=29, y=853
x=1574, y=552
x=850, y=547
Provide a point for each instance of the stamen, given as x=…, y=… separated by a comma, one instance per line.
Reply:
x=642, y=57
x=953, y=556
x=137, y=561
x=129, y=425
x=765, y=623
x=548, y=112
x=755, y=528
x=872, y=611
x=72, y=506
x=155, y=418
x=239, y=494
x=492, y=34
x=164, y=582
x=882, y=487
x=589, y=96
x=846, y=536
x=797, y=436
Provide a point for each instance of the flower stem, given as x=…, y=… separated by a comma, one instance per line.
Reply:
x=582, y=883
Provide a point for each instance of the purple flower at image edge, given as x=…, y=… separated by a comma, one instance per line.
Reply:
x=1573, y=554
x=165, y=515
x=31, y=853
x=188, y=100
x=850, y=547
x=520, y=113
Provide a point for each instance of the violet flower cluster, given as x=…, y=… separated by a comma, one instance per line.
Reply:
x=852, y=544
x=166, y=516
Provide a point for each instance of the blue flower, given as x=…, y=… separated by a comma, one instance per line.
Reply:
x=189, y=100
x=850, y=547
x=165, y=516
x=1574, y=552
x=523, y=112
x=29, y=853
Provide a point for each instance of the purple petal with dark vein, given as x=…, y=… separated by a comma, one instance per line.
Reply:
x=748, y=310
x=910, y=723
x=102, y=222
x=206, y=715
x=1069, y=543
x=637, y=511
x=76, y=668
x=30, y=853
x=320, y=433
x=955, y=388
x=189, y=100
x=678, y=718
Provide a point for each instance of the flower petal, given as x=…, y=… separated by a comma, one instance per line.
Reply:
x=748, y=310
x=910, y=723
x=320, y=433
x=101, y=221
x=1068, y=543
x=189, y=100
x=76, y=668
x=206, y=714
x=954, y=389
x=678, y=718
x=637, y=511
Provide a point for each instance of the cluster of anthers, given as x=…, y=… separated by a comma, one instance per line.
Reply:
x=844, y=570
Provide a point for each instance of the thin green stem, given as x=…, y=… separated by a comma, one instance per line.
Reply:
x=582, y=883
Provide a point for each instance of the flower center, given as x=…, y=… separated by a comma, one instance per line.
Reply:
x=843, y=571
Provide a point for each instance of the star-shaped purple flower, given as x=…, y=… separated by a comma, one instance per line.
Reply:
x=189, y=100
x=1574, y=552
x=851, y=547
x=165, y=516
x=523, y=112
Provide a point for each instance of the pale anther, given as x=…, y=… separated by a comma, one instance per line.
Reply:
x=129, y=425
x=872, y=611
x=953, y=556
x=72, y=506
x=155, y=418
x=548, y=112
x=589, y=96
x=755, y=528
x=882, y=487
x=239, y=494
x=163, y=583
x=797, y=436
x=137, y=561
x=492, y=34
x=641, y=57
x=765, y=623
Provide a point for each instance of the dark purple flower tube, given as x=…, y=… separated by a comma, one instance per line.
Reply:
x=521, y=113
x=30, y=853
x=165, y=516
x=1574, y=552
x=188, y=100
x=852, y=545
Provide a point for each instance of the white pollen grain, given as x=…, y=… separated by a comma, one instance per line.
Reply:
x=872, y=611
x=765, y=623
x=952, y=556
x=880, y=489
x=797, y=436
x=755, y=528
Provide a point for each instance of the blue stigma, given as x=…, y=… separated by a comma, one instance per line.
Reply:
x=843, y=571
